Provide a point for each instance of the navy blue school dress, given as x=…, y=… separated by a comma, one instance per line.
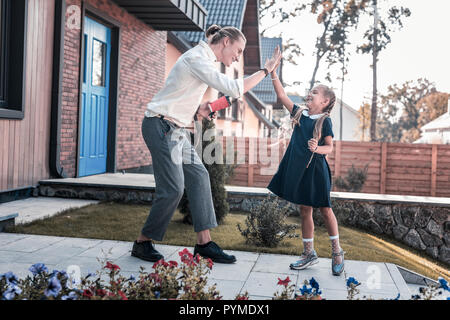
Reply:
x=293, y=181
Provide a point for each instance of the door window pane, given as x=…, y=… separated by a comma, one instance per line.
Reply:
x=98, y=63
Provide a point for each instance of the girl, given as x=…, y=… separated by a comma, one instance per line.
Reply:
x=304, y=176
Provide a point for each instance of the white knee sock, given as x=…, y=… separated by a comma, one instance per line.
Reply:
x=308, y=245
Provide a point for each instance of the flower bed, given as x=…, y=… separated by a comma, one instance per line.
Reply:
x=169, y=280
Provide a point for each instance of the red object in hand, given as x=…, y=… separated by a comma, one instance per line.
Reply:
x=221, y=103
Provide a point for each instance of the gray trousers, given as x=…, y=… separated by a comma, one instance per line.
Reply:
x=176, y=166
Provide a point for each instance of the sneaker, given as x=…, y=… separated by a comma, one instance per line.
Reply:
x=305, y=261
x=146, y=251
x=214, y=252
x=336, y=268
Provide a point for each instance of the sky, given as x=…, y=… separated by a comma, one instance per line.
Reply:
x=421, y=49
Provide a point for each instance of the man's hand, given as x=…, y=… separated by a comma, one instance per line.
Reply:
x=272, y=63
x=204, y=111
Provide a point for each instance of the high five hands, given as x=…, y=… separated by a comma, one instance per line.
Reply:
x=272, y=63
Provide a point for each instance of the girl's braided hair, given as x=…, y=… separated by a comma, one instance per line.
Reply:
x=215, y=33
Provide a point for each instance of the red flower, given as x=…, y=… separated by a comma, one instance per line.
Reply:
x=124, y=297
x=155, y=277
x=209, y=263
x=284, y=282
x=111, y=266
x=242, y=298
x=101, y=292
x=87, y=293
x=173, y=264
x=186, y=257
x=160, y=262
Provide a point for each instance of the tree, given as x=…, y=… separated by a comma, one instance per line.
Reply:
x=277, y=12
x=364, y=121
x=432, y=106
x=406, y=108
x=336, y=16
x=378, y=38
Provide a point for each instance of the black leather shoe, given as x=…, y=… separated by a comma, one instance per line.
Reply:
x=214, y=252
x=146, y=251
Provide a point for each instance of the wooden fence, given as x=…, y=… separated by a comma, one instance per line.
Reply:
x=393, y=168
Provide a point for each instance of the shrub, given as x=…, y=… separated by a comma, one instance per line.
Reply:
x=265, y=224
x=218, y=174
x=354, y=180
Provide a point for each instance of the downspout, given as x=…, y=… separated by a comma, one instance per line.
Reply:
x=57, y=75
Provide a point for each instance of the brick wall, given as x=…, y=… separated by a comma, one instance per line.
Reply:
x=142, y=69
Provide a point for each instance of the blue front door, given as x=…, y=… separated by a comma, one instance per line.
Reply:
x=94, y=104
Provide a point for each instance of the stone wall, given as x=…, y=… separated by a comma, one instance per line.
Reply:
x=420, y=226
x=423, y=227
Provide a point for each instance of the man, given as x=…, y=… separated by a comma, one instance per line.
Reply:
x=172, y=110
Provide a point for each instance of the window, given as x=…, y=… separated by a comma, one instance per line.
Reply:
x=98, y=64
x=12, y=53
x=3, y=65
x=222, y=113
x=235, y=102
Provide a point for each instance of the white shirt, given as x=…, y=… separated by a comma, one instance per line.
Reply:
x=186, y=84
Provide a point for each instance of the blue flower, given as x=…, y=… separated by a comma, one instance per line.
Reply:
x=54, y=287
x=38, y=268
x=397, y=297
x=352, y=280
x=315, y=285
x=157, y=294
x=132, y=278
x=63, y=274
x=71, y=296
x=444, y=284
x=10, y=277
x=305, y=290
x=11, y=292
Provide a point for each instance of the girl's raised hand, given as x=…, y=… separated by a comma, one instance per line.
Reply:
x=312, y=145
x=272, y=63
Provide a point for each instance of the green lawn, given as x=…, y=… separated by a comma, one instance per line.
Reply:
x=114, y=221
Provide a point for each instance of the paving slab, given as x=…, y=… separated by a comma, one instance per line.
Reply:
x=264, y=284
x=31, y=243
x=36, y=208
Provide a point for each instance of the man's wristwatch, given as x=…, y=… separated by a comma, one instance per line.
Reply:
x=265, y=71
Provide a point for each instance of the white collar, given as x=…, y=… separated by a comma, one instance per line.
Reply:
x=209, y=51
x=313, y=116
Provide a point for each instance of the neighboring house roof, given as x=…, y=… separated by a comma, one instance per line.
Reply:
x=223, y=13
x=441, y=122
x=346, y=106
x=436, y=127
x=264, y=90
x=255, y=104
